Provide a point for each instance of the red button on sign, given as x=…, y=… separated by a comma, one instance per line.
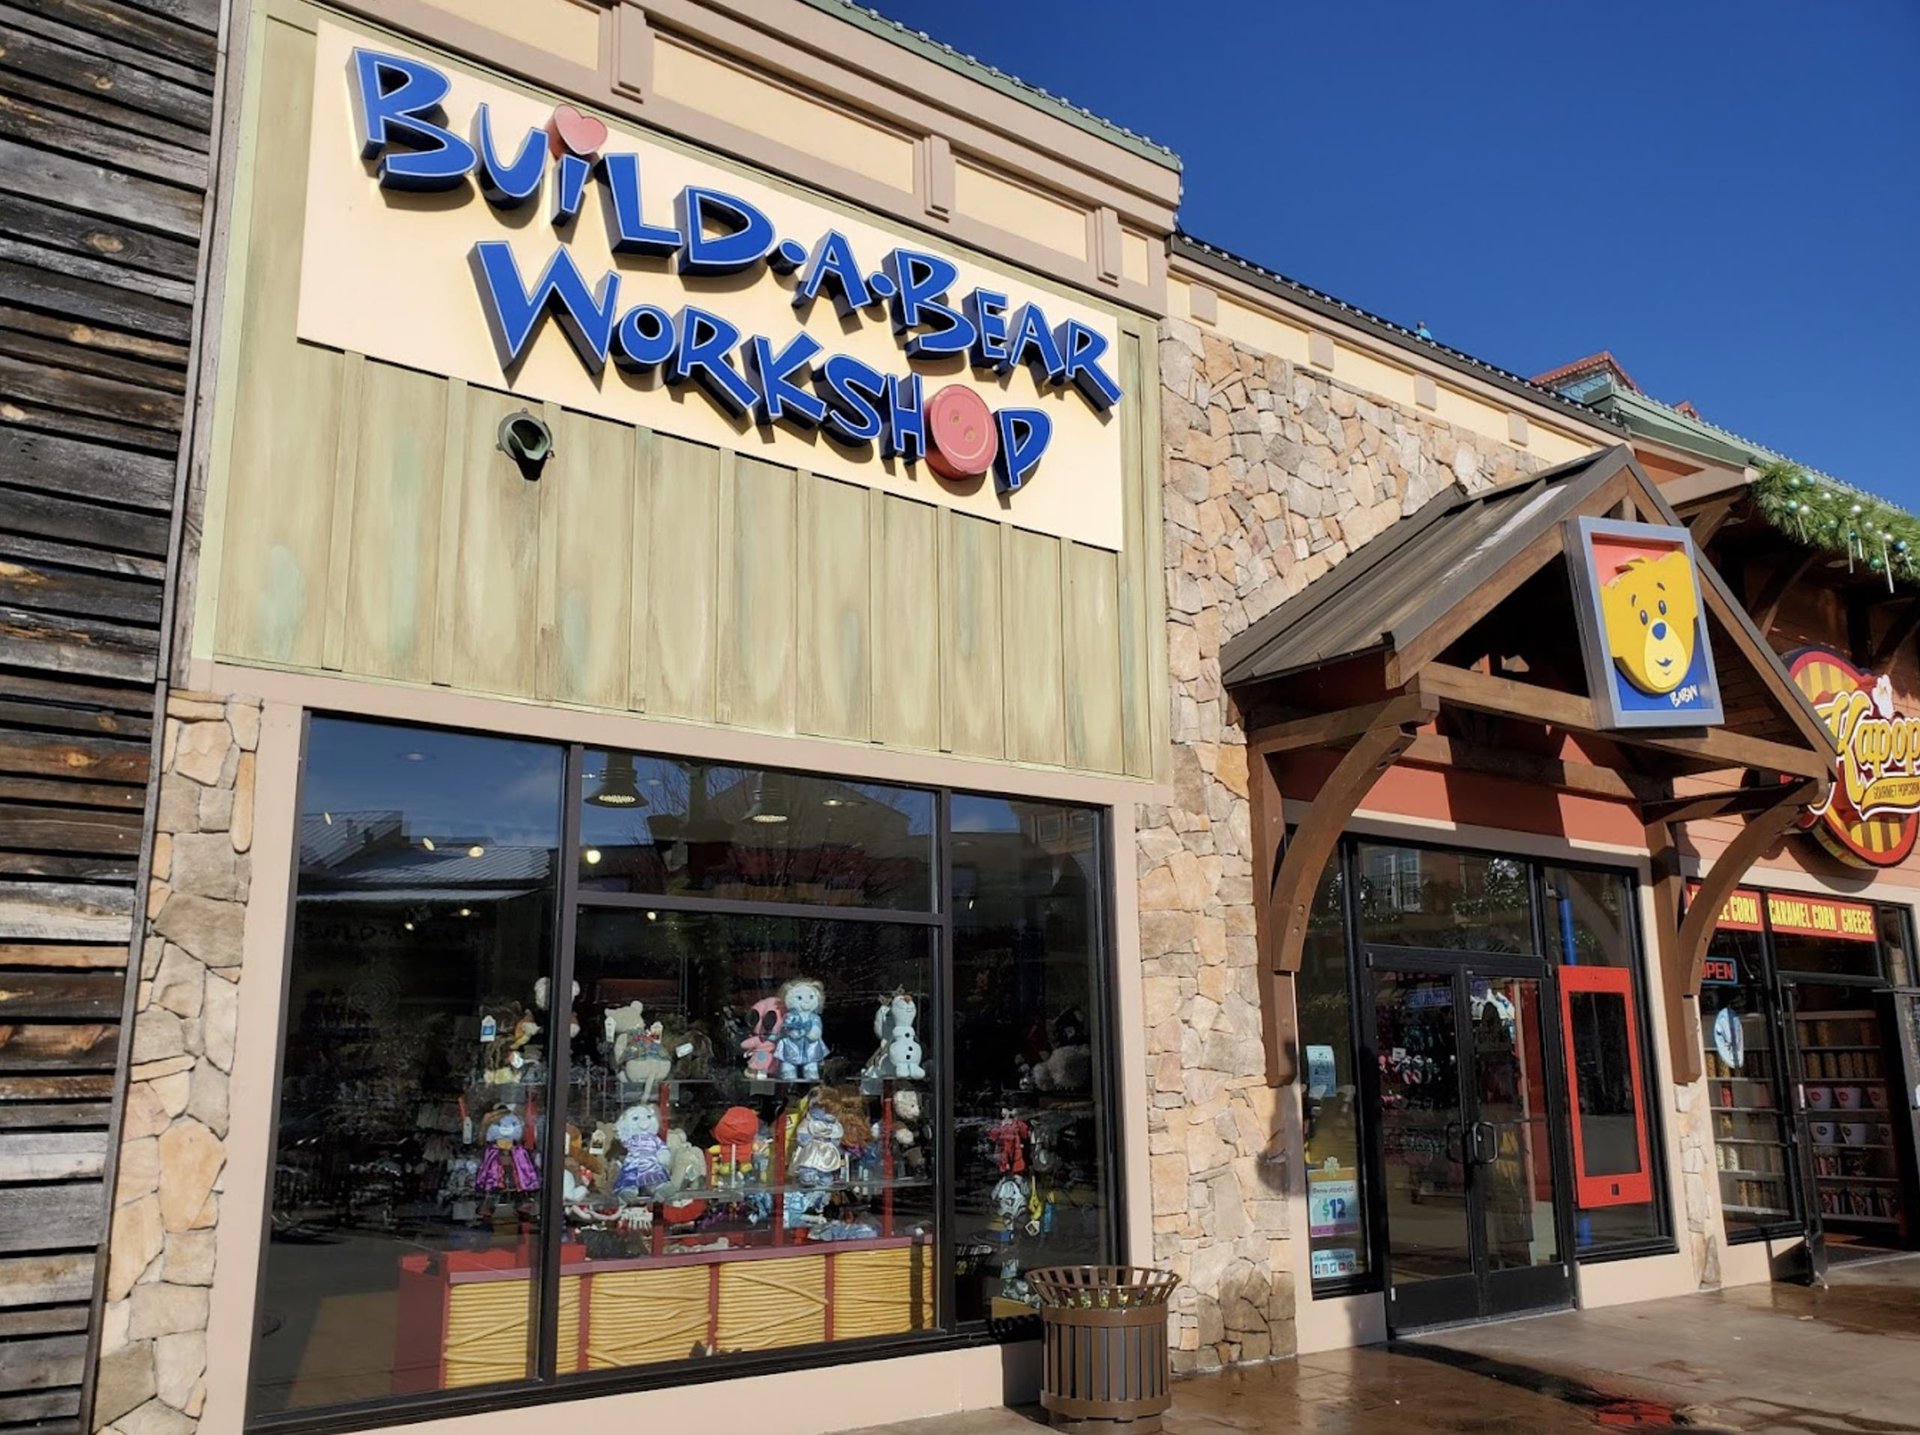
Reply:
x=962, y=438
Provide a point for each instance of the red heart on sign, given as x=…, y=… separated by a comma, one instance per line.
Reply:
x=571, y=130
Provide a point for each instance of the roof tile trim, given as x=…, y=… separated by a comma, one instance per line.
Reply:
x=1224, y=260
x=921, y=43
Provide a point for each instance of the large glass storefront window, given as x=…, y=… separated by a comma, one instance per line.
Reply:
x=424, y=917
x=705, y=1063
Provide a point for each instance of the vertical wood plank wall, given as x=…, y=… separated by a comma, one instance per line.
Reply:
x=374, y=528
x=105, y=117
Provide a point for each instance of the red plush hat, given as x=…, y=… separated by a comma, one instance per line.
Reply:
x=737, y=1126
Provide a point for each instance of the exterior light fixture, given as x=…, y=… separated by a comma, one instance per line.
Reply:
x=760, y=809
x=527, y=441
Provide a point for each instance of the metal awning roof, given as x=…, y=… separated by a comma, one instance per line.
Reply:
x=1416, y=572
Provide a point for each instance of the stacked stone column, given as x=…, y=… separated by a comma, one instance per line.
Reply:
x=153, y=1354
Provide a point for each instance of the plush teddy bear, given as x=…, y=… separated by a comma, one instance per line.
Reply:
x=1069, y=1066
x=540, y=989
x=635, y=1049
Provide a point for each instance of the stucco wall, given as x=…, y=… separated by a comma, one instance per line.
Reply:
x=1274, y=474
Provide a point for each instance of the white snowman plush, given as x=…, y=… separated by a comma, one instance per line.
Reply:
x=903, y=1057
x=899, y=1054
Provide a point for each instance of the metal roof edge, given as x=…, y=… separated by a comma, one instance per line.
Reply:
x=961, y=63
x=1224, y=261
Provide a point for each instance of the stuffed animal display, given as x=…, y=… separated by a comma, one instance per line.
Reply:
x=506, y=1165
x=1069, y=1066
x=758, y=1044
x=802, y=1047
x=899, y=1056
x=644, y=1164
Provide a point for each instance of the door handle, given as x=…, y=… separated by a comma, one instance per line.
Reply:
x=1486, y=1143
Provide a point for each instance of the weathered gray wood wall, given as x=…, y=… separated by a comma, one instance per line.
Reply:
x=105, y=110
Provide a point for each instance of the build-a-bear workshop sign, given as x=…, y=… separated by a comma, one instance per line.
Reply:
x=1642, y=625
x=466, y=228
x=1869, y=818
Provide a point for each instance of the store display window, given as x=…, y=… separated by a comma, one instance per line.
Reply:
x=1746, y=1086
x=1589, y=928
x=706, y=1064
x=1333, y=1111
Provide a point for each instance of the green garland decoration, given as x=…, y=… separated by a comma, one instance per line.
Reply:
x=1823, y=514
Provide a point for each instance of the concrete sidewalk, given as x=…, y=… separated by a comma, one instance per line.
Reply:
x=1772, y=1358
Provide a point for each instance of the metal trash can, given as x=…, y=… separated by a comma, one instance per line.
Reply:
x=1104, y=1346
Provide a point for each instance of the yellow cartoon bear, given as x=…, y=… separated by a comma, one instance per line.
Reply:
x=1651, y=609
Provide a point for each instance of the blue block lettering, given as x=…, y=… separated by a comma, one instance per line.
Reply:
x=987, y=311
x=1032, y=344
x=701, y=355
x=627, y=229
x=570, y=187
x=643, y=338
x=508, y=183
x=1024, y=435
x=853, y=392
x=743, y=241
x=772, y=375
x=831, y=266
x=1080, y=350
x=920, y=283
x=514, y=312
x=397, y=100
x=906, y=432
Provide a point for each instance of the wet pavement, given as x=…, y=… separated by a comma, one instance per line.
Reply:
x=1766, y=1358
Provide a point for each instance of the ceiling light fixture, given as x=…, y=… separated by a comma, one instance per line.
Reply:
x=593, y=856
x=616, y=786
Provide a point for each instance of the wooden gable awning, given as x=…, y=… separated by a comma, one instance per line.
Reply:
x=1451, y=641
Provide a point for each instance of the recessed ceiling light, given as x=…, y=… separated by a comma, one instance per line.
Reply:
x=476, y=850
x=466, y=911
x=329, y=817
x=593, y=856
x=414, y=756
x=427, y=842
x=409, y=926
x=653, y=916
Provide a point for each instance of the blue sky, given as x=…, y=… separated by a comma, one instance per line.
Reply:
x=1726, y=195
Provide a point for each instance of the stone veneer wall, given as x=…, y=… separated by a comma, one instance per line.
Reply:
x=153, y=1347
x=1274, y=473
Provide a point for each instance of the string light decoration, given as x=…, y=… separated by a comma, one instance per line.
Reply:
x=1822, y=513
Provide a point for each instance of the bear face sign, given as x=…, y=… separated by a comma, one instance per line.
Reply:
x=1651, y=609
x=1648, y=660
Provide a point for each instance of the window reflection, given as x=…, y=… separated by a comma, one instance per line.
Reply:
x=1437, y=898
x=1334, y=1123
x=424, y=909
x=1030, y=1039
x=673, y=827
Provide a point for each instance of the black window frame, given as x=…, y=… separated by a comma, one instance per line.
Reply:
x=546, y=1384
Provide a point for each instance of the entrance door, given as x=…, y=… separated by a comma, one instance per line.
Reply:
x=1471, y=1183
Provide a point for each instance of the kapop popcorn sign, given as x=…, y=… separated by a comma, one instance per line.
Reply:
x=1869, y=818
x=413, y=148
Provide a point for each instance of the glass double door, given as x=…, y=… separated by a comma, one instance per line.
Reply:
x=1471, y=1178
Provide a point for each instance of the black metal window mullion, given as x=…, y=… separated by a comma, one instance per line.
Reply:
x=559, y=1069
x=945, y=1067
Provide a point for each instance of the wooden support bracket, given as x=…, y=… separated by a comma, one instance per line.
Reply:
x=1293, y=881
x=1684, y=943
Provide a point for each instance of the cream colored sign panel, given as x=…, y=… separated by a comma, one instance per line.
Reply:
x=399, y=275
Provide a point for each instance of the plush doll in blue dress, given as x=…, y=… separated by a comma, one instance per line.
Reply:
x=800, y=1049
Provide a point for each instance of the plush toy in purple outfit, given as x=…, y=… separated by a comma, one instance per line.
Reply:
x=506, y=1164
x=644, y=1165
